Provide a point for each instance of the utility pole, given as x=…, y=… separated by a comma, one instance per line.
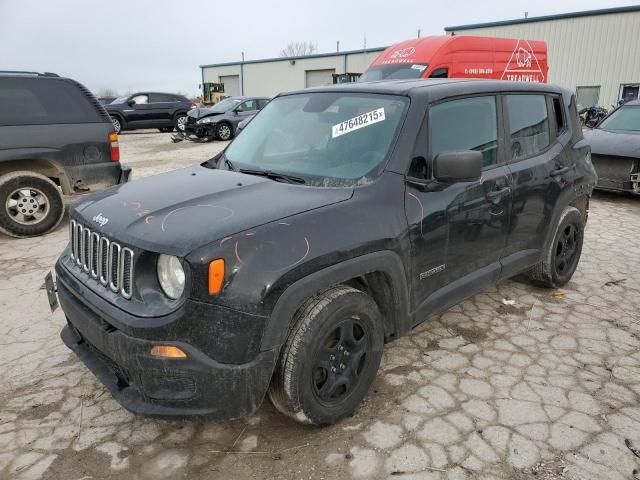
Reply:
x=242, y=75
x=418, y=33
x=337, y=45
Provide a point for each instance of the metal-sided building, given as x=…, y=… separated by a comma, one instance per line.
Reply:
x=596, y=53
x=273, y=75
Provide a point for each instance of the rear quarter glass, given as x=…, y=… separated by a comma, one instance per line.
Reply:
x=40, y=101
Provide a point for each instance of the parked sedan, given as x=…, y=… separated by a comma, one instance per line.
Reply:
x=164, y=111
x=221, y=121
x=615, y=149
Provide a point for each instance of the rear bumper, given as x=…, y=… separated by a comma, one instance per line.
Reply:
x=148, y=385
x=96, y=177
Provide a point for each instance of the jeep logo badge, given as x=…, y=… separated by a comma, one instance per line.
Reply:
x=100, y=219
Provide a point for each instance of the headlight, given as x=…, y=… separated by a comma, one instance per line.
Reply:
x=205, y=120
x=171, y=276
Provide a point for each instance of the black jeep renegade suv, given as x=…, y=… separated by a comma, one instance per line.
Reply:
x=340, y=219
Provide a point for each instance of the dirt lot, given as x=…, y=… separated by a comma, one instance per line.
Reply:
x=539, y=386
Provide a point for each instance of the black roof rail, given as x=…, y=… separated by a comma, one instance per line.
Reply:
x=24, y=72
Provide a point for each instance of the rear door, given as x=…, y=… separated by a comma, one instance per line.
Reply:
x=537, y=132
x=162, y=107
x=458, y=231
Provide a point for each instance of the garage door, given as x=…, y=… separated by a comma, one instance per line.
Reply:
x=316, y=78
x=231, y=84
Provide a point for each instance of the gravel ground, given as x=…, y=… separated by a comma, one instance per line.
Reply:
x=545, y=385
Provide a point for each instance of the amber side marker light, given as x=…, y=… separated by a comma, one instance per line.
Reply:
x=216, y=276
x=167, y=351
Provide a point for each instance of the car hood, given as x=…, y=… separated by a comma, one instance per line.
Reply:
x=179, y=211
x=199, y=113
x=614, y=144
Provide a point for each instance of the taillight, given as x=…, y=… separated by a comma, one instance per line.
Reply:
x=114, y=147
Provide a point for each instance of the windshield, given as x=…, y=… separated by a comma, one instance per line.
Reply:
x=226, y=105
x=121, y=99
x=625, y=119
x=320, y=136
x=394, y=72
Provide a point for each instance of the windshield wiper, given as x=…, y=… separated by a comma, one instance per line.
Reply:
x=273, y=175
x=228, y=163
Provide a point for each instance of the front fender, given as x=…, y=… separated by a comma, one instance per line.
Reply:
x=295, y=295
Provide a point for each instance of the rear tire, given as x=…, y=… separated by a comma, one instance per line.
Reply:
x=117, y=124
x=563, y=253
x=330, y=358
x=30, y=204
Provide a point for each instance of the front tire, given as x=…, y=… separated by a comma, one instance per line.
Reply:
x=330, y=358
x=181, y=122
x=224, y=131
x=563, y=253
x=30, y=204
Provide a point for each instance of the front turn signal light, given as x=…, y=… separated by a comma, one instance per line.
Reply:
x=167, y=351
x=216, y=276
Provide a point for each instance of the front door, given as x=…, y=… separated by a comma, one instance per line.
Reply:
x=458, y=231
x=139, y=113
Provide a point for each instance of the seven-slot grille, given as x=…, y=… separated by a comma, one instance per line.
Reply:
x=104, y=260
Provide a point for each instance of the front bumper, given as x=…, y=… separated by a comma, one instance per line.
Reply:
x=148, y=385
x=200, y=130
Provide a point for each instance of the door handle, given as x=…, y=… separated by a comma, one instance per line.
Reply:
x=497, y=193
x=561, y=170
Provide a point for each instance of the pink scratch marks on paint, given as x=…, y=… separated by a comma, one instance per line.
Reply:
x=305, y=255
x=421, y=209
x=229, y=213
x=224, y=240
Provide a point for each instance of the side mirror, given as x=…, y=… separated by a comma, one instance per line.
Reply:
x=131, y=102
x=453, y=167
x=592, y=123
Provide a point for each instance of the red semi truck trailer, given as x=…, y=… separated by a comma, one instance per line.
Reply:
x=462, y=57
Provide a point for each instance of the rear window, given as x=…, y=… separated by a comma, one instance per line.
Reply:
x=37, y=101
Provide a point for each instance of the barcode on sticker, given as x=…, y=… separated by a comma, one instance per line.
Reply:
x=358, y=122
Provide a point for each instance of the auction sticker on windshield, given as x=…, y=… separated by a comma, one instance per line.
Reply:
x=358, y=122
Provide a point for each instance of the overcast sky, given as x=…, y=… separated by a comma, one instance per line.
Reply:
x=159, y=44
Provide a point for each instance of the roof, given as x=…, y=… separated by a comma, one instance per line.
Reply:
x=417, y=86
x=301, y=57
x=546, y=18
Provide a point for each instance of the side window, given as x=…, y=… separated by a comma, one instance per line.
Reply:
x=247, y=106
x=528, y=125
x=262, y=103
x=141, y=99
x=440, y=73
x=465, y=124
x=558, y=113
x=161, y=97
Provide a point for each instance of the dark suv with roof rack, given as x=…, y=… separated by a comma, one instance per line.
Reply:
x=340, y=219
x=55, y=138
